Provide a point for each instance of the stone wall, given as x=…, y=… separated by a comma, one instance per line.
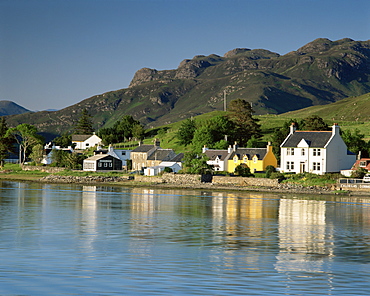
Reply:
x=46, y=169
x=171, y=178
x=182, y=179
x=244, y=181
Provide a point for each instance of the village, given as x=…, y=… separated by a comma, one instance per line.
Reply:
x=313, y=152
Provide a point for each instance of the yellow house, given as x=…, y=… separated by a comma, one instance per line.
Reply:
x=257, y=159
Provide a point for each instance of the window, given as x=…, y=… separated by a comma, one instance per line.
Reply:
x=100, y=164
x=245, y=159
x=316, y=152
x=290, y=151
x=110, y=164
x=316, y=166
x=290, y=165
x=123, y=153
x=303, y=151
x=255, y=159
x=362, y=164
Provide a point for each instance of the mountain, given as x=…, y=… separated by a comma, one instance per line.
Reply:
x=318, y=73
x=11, y=108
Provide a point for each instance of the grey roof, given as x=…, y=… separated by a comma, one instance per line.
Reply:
x=314, y=139
x=177, y=158
x=212, y=154
x=80, y=138
x=99, y=156
x=143, y=148
x=250, y=152
x=162, y=154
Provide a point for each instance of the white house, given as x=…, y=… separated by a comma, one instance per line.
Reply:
x=217, y=158
x=85, y=141
x=155, y=170
x=317, y=152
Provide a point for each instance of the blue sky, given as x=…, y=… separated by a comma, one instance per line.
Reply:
x=55, y=53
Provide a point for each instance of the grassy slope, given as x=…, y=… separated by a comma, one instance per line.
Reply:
x=350, y=113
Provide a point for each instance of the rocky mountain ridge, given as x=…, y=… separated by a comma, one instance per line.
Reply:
x=320, y=72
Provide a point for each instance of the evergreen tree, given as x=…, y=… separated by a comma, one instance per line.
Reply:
x=245, y=126
x=84, y=124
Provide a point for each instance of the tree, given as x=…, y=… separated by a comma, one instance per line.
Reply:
x=245, y=126
x=314, y=123
x=122, y=130
x=186, y=132
x=138, y=131
x=26, y=136
x=355, y=142
x=84, y=125
x=196, y=164
x=64, y=140
x=243, y=171
x=37, y=153
x=211, y=133
x=6, y=141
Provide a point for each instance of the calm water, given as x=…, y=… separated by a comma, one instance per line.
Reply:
x=87, y=240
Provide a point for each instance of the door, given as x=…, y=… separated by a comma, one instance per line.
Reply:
x=302, y=167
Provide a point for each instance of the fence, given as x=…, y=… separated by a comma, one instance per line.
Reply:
x=354, y=184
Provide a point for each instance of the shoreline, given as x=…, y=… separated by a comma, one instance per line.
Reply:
x=125, y=182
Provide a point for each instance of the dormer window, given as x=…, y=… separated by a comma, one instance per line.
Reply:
x=362, y=164
x=245, y=159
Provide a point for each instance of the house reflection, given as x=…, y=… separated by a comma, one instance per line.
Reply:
x=89, y=216
x=305, y=239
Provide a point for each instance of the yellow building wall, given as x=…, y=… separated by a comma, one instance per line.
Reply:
x=253, y=164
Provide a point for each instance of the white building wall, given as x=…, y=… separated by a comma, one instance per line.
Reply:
x=337, y=158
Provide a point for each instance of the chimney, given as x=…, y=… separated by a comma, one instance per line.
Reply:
x=157, y=143
x=292, y=128
x=230, y=149
x=235, y=146
x=204, y=149
x=335, y=129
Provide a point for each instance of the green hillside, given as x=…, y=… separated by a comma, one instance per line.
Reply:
x=350, y=113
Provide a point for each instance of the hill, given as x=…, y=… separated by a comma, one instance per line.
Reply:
x=11, y=108
x=319, y=73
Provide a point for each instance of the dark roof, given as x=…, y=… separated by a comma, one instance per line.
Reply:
x=101, y=156
x=314, y=139
x=80, y=138
x=178, y=157
x=162, y=154
x=250, y=152
x=143, y=148
x=213, y=154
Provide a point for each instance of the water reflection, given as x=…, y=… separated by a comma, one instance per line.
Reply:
x=148, y=236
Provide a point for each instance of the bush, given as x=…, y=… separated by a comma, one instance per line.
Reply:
x=277, y=175
x=269, y=170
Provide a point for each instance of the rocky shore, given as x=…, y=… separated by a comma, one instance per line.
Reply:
x=82, y=180
x=279, y=188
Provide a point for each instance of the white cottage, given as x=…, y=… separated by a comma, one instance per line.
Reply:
x=83, y=142
x=317, y=152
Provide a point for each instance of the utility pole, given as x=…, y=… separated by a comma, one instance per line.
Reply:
x=224, y=99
